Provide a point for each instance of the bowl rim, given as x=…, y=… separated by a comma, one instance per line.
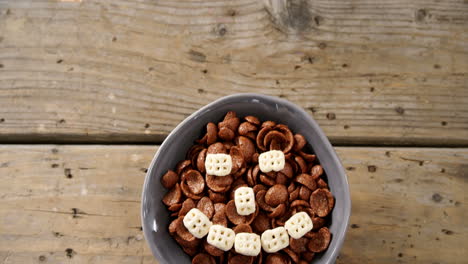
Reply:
x=340, y=235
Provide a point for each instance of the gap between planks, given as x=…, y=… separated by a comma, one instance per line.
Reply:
x=158, y=140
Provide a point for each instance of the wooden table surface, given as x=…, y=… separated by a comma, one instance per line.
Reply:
x=88, y=89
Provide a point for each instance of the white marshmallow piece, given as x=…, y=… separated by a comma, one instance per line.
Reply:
x=273, y=240
x=221, y=237
x=197, y=223
x=244, y=198
x=272, y=160
x=218, y=164
x=247, y=244
x=298, y=225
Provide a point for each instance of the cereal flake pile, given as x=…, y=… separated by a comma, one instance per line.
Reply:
x=248, y=192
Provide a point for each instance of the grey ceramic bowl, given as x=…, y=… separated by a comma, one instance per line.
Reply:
x=155, y=217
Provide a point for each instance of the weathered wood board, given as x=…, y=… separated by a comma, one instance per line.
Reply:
x=370, y=72
x=81, y=204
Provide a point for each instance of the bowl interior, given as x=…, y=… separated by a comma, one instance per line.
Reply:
x=155, y=216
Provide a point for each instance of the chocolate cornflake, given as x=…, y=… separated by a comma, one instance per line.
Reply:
x=319, y=240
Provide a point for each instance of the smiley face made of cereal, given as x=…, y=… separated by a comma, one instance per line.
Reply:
x=245, y=185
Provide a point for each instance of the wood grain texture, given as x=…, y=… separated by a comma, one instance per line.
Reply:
x=82, y=199
x=80, y=204
x=408, y=205
x=370, y=72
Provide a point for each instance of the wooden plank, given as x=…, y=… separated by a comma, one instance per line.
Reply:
x=370, y=72
x=409, y=204
x=82, y=198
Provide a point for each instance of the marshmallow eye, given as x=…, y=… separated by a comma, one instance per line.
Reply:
x=197, y=223
x=244, y=199
x=248, y=244
x=274, y=240
x=298, y=225
x=272, y=160
x=218, y=164
x=221, y=237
